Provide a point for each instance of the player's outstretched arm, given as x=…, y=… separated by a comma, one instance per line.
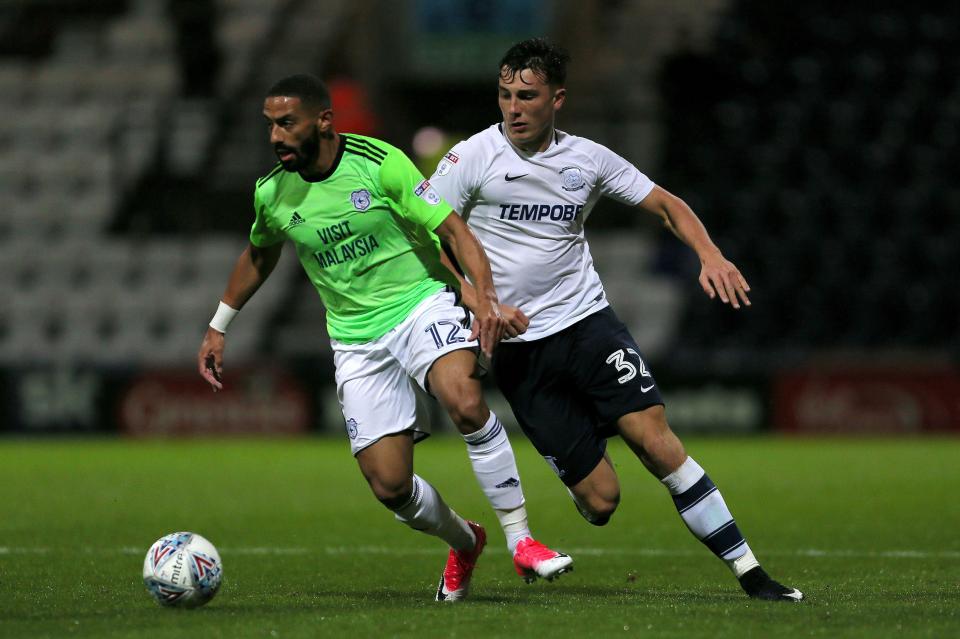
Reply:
x=490, y=325
x=517, y=321
x=250, y=271
x=718, y=276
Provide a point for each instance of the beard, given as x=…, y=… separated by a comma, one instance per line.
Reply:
x=303, y=156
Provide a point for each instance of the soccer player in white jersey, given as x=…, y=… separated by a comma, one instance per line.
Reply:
x=365, y=225
x=573, y=374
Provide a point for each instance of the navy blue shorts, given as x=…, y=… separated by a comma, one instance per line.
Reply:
x=568, y=390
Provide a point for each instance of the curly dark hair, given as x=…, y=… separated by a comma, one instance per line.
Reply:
x=309, y=88
x=545, y=59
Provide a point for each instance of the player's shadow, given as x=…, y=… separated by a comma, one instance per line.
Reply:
x=521, y=595
x=603, y=594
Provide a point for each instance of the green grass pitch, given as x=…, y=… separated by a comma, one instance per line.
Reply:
x=867, y=528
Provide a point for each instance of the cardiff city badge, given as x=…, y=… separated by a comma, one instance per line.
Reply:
x=352, y=428
x=360, y=199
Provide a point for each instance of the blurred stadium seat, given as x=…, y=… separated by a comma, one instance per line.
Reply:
x=844, y=114
x=83, y=120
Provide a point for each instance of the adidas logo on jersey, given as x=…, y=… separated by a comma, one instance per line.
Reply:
x=295, y=220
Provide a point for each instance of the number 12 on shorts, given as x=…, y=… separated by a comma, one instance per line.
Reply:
x=445, y=332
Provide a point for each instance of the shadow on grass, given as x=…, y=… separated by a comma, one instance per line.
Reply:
x=333, y=601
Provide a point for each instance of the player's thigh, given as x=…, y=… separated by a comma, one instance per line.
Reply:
x=376, y=395
x=610, y=369
x=437, y=327
x=549, y=409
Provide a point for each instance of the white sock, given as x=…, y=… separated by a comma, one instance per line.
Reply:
x=743, y=564
x=706, y=514
x=515, y=527
x=427, y=512
x=496, y=470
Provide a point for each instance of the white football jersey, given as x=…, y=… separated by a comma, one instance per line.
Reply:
x=528, y=212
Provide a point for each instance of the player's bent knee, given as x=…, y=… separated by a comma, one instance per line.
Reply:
x=392, y=494
x=467, y=411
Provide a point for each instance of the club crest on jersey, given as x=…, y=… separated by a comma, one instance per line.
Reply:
x=426, y=192
x=572, y=178
x=360, y=199
x=352, y=428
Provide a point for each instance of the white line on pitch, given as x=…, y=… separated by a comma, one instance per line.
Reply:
x=597, y=552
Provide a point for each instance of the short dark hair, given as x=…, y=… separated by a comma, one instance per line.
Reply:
x=539, y=55
x=309, y=88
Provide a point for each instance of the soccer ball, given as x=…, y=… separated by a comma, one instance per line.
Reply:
x=182, y=569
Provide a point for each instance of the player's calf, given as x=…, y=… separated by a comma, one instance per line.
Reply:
x=651, y=439
x=597, y=516
x=598, y=494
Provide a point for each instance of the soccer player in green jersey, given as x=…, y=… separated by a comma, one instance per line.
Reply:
x=367, y=227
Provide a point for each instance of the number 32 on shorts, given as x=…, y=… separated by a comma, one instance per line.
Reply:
x=618, y=359
x=445, y=332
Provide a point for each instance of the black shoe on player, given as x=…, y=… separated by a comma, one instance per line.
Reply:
x=758, y=584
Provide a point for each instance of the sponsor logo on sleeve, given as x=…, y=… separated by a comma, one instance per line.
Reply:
x=447, y=163
x=427, y=193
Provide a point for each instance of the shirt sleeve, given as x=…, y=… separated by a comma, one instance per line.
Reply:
x=454, y=177
x=619, y=179
x=415, y=197
x=262, y=234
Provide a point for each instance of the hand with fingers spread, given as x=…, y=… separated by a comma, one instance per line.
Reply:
x=210, y=359
x=719, y=276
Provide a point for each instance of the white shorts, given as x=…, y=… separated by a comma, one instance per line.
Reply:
x=376, y=381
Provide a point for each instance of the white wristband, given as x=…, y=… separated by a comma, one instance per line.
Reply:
x=222, y=318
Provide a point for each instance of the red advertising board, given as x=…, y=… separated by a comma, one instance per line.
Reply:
x=867, y=401
x=179, y=403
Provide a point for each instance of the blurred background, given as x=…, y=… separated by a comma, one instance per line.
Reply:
x=816, y=140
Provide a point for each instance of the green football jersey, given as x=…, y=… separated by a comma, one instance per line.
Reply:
x=363, y=232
